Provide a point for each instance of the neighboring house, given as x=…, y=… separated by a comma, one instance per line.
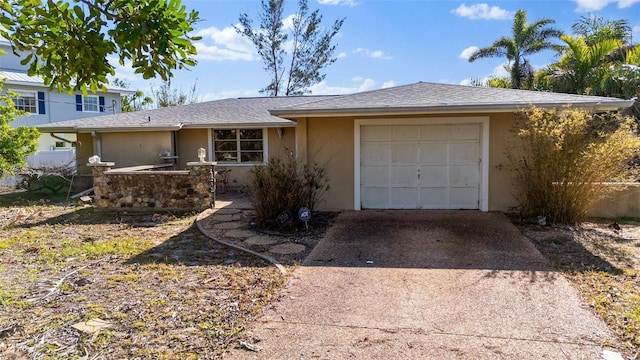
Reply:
x=423, y=145
x=48, y=106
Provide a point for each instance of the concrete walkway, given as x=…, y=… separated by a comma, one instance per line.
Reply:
x=426, y=285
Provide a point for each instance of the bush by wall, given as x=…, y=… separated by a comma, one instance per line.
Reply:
x=561, y=157
x=285, y=185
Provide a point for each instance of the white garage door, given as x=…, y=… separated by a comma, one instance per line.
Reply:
x=420, y=166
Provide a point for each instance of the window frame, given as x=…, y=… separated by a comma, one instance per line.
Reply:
x=264, y=139
x=21, y=94
x=84, y=103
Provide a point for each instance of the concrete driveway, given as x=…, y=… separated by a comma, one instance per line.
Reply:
x=427, y=285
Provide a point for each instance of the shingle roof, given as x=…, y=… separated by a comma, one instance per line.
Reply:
x=17, y=77
x=241, y=112
x=431, y=97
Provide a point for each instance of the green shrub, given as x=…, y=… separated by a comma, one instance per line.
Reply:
x=562, y=157
x=283, y=185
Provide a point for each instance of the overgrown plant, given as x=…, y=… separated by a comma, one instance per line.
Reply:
x=285, y=185
x=52, y=178
x=562, y=157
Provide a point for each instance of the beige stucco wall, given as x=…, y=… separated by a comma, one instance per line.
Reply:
x=134, y=148
x=501, y=190
x=330, y=144
x=85, y=148
x=624, y=200
x=188, y=143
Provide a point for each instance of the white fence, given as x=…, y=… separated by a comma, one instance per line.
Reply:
x=42, y=159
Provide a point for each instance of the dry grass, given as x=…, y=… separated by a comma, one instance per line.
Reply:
x=604, y=266
x=168, y=291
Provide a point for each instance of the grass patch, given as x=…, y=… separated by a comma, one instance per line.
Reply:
x=185, y=301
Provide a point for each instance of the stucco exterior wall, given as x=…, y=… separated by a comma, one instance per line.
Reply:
x=188, y=143
x=134, y=148
x=501, y=190
x=84, y=150
x=330, y=144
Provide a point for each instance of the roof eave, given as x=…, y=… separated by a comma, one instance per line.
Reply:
x=87, y=129
x=442, y=109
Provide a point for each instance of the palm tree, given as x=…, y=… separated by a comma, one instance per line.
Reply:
x=582, y=66
x=526, y=39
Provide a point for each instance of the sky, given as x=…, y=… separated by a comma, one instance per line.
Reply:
x=382, y=43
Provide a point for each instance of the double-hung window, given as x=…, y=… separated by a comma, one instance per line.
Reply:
x=239, y=145
x=90, y=103
x=27, y=101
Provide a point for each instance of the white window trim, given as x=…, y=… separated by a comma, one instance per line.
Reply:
x=22, y=93
x=84, y=104
x=484, y=149
x=265, y=147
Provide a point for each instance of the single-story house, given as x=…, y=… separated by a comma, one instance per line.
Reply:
x=422, y=145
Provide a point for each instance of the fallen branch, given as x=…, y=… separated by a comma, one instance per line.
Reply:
x=56, y=285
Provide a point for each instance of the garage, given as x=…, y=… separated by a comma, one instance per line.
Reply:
x=420, y=164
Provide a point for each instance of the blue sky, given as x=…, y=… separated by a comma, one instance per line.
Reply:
x=382, y=42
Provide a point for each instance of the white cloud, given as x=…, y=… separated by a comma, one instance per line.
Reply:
x=483, y=11
x=322, y=88
x=223, y=45
x=466, y=53
x=595, y=5
x=338, y=2
x=376, y=54
x=342, y=55
x=388, y=84
x=499, y=71
x=287, y=23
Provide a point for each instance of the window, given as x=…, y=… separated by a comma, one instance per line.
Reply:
x=238, y=145
x=26, y=101
x=59, y=144
x=90, y=103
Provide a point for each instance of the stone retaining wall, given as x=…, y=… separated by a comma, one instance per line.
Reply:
x=147, y=187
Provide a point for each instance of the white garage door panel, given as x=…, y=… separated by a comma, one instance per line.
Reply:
x=375, y=176
x=420, y=166
x=434, y=175
x=404, y=153
x=434, y=152
x=403, y=176
x=375, y=198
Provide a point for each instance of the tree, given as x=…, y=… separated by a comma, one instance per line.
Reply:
x=311, y=48
x=136, y=102
x=15, y=143
x=526, y=39
x=67, y=43
x=582, y=66
x=166, y=96
x=595, y=29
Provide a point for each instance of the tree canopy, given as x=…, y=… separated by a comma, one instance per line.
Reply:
x=526, y=39
x=15, y=143
x=68, y=43
x=294, y=55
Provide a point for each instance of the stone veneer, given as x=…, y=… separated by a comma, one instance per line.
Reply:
x=144, y=187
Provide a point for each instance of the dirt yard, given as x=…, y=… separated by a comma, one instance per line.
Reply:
x=161, y=289
x=602, y=260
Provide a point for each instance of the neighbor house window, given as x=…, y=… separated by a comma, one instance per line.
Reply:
x=29, y=101
x=90, y=103
x=238, y=145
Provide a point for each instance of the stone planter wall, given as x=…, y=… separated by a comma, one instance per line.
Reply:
x=149, y=187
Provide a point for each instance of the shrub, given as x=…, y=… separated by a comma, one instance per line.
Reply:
x=285, y=185
x=52, y=178
x=561, y=157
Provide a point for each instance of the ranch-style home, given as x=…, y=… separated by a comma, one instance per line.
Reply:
x=416, y=146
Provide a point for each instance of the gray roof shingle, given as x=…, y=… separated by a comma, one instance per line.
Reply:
x=22, y=78
x=241, y=112
x=432, y=97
